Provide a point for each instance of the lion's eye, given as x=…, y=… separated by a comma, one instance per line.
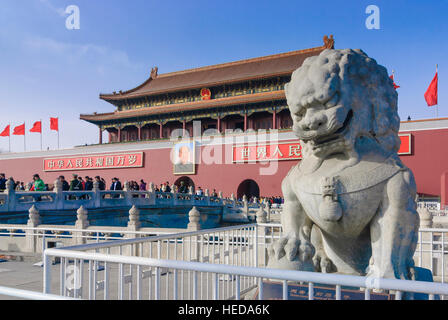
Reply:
x=333, y=101
x=301, y=113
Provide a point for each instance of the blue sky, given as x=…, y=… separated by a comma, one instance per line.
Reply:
x=48, y=70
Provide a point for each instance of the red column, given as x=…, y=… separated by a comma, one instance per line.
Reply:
x=101, y=136
x=161, y=131
x=245, y=121
x=218, y=124
x=119, y=134
x=184, y=125
x=139, y=133
x=274, y=120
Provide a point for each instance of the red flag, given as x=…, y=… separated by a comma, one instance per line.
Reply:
x=5, y=132
x=431, y=93
x=19, y=130
x=395, y=85
x=54, y=125
x=37, y=127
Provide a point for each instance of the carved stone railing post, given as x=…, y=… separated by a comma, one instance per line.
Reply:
x=261, y=218
x=31, y=235
x=267, y=206
x=190, y=190
x=207, y=195
x=151, y=187
x=96, y=194
x=194, y=217
x=134, y=219
x=82, y=222
x=127, y=193
x=425, y=238
x=58, y=194
x=133, y=225
x=11, y=195
x=261, y=215
x=232, y=198
x=245, y=206
x=126, y=186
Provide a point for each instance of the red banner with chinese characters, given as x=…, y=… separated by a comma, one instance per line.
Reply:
x=102, y=161
x=267, y=152
x=291, y=151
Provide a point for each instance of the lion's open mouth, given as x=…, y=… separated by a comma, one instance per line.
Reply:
x=335, y=135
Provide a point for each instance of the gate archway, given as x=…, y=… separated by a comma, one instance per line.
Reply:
x=249, y=188
x=187, y=180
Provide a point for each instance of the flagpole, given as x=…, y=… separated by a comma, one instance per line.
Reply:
x=24, y=134
x=58, y=136
x=9, y=137
x=437, y=106
x=40, y=134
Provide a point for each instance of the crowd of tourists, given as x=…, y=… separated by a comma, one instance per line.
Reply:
x=79, y=183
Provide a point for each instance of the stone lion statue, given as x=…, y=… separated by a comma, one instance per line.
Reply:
x=350, y=203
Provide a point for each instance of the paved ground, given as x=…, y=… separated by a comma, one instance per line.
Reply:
x=20, y=275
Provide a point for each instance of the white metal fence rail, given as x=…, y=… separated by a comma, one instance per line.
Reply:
x=211, y=264
x=137, y=266
x=223, y=246
x=29, y=295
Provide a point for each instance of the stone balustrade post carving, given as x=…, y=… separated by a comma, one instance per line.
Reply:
x=232, y=198
x=267, y=206
x=194, y=216
x=59, y=195
x=11, y=194
x=190, y=190
x=261, y=218
x=133, y=225
x=126, y=186
x=245, y=206
x=134, y=219
x=151, y=187
x=128, y=192
x=82, y=223
x=261, y=215
x=96, y=194
x=31, y=235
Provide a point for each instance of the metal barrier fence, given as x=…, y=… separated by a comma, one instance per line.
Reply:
x=210, y=264
x=223, y=246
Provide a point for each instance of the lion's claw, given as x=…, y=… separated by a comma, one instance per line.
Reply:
x=291, y=248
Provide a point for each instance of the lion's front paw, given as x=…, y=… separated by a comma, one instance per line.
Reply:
x=322, y=263
x=289, y=252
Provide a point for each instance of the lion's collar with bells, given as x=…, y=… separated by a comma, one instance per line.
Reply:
x=363, y=175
